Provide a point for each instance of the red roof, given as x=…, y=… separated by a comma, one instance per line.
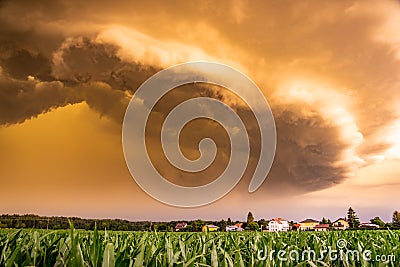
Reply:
x=180, y=225
x=278, y=220
x=322, y=226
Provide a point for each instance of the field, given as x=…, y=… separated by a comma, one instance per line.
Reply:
x=104, y=248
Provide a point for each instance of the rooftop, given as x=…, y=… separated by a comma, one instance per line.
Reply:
x=322, y=226
x=309, y=221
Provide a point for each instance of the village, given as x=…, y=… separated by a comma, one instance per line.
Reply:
x=282, y=225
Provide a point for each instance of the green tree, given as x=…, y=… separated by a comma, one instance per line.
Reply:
x=263, y=223
x=352, y=218
x=253, y=226
x=161, y=227
x=323, y=221
x=250, y=217
x=378, y=221
x=197, y=225
x=229, y=221
x=222, y=225
x=396, y=219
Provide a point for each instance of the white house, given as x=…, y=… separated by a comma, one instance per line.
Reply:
x=180, y=226
x=369, y=225
x=233, y=228
x=278, y=225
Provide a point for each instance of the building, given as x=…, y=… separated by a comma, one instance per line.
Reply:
x=233, y=228
x=368, y=226
x=278, y=225
x=180, y=226
x=296, y=227
x=308, y=224
x=239, y=225
x=340, y=224
x=209, y=228
x=322, y=227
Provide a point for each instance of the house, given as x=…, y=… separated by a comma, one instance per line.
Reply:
x=209, y=228
x=296, y=226
x=321, y=227
x=278, y=225
x=308, y=224
x=239, y=225
x=233, y=228
x=368, y=226
x=340, y=224
x=180, y=226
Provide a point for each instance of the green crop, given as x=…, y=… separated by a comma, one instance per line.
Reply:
x=104, y=248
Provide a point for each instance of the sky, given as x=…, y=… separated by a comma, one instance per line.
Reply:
x=330, y=72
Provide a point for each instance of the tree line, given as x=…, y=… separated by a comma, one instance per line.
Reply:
x=44, y=222
x=354, y=222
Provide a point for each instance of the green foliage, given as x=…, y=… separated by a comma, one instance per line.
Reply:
x=250, y=217
x=324, y=221
x=396, y=219
x=378, y=221
x=253, y=226
x=115, y=248
x=352, y=218
x=41, y=222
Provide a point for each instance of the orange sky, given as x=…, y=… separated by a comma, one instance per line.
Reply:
x=330, y=72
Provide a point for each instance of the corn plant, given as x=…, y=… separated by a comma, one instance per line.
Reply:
x=104, y=248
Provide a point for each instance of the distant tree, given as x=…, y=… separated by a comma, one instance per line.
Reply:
x=20, y=224
x=161, y=227
x=250, y=217
x=352, y=218
x=253, y=226
x=263, y=223
x=378, y=221
x=189, y=228
x=229, y=221
x=197, y=225
x=222, y=225
x=323, y=221
x=152, y=227
x=396, y=219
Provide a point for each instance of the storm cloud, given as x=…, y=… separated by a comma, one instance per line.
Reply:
x=331, y=76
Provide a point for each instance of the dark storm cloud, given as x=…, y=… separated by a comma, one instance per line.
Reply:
x=81, y=60
x=92, y=72
x=309, y=148
x=56, y=44
x=33, y=84
x=22, y=100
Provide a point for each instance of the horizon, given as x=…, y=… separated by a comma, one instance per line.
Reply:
x=193, y=219
x=328, y=71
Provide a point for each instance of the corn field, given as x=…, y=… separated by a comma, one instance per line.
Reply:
x=104, y=248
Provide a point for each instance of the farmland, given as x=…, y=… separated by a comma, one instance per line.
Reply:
x=112, y=248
